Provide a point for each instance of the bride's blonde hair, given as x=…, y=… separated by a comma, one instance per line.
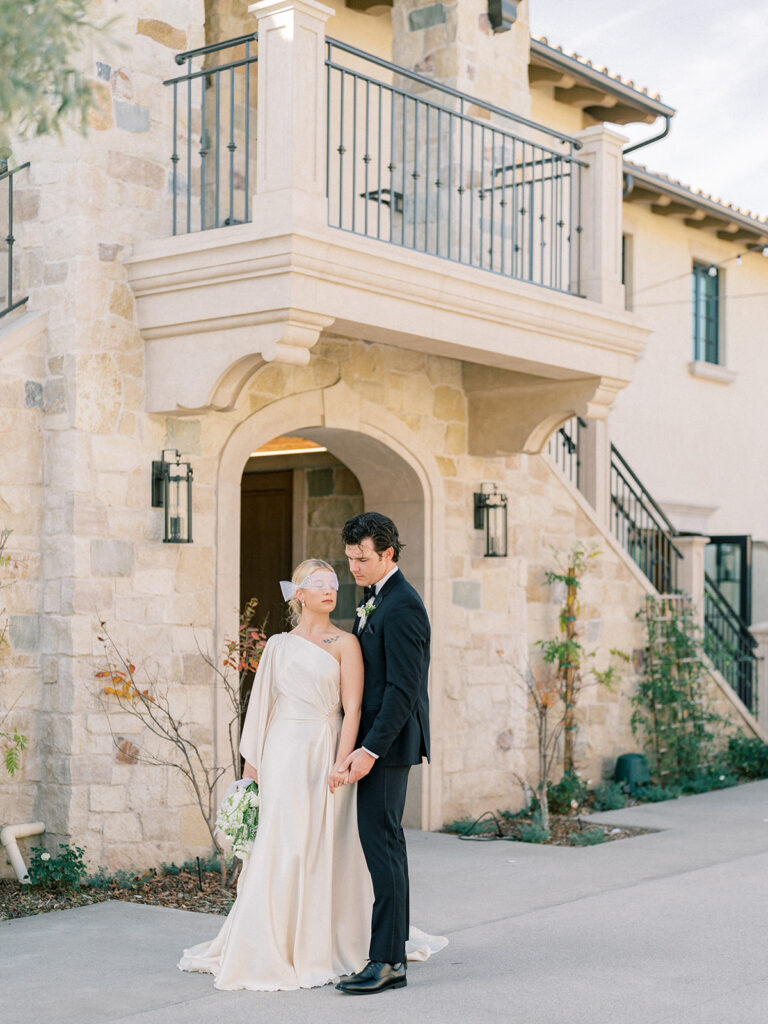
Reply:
x=300, y=573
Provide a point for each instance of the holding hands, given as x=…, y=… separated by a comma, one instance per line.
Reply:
x=353, y=768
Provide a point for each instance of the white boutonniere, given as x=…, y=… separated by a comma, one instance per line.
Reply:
x=365, y=611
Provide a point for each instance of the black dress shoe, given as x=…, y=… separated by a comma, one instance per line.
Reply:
x=374, y=977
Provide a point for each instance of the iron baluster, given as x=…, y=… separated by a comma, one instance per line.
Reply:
x=247, y=196
x=189, y=145
x=175, y=155
x=341, y=149
x=427, y=143
x=415, y=171
x=231, y=145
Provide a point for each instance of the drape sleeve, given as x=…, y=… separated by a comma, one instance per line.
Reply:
x=260, y=707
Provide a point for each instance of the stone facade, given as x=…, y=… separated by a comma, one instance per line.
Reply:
x=76, y=453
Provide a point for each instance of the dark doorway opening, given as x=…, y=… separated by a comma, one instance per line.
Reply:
x=266, y=544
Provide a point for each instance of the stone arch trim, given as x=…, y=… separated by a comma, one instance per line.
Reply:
x=339, y=412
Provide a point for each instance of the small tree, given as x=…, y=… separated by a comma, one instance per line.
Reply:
x=155, y=706
x=566, y=652
x=39, y=84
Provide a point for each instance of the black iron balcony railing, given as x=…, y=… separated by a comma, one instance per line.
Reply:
x=564, y=449
x=729, y=643
x=214, y=131
x=7, y=300
x=421, y=165
x=641, y=527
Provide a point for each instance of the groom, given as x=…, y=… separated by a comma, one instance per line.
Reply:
x=393, y=630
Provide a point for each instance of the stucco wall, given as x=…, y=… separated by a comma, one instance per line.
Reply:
x=695, y=441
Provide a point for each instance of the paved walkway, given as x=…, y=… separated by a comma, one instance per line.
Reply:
x=669, y=928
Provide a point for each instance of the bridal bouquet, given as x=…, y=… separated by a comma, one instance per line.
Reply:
x=238, y=817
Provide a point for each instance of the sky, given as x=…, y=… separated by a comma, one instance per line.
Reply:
x=706, y=58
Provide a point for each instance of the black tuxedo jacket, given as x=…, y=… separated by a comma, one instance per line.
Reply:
x=395, y=643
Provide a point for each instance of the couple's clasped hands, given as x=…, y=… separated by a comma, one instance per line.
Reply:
x=350, y=770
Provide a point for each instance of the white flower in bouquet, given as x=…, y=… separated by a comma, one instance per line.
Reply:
x=238, y=817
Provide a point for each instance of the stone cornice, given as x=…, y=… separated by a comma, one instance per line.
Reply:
x=199, y=292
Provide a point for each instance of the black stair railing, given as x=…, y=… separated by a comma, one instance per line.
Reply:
x=7, y=265
x=641, y=527
x=214, y=133
x=729, y=643
x=564, y=449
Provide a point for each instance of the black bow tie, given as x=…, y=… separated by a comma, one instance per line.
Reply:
x=369, y=592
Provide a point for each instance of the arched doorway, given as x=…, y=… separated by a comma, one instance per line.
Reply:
x=295, y=496
x=393, y=477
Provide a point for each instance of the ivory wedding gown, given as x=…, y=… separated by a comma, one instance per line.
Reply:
x=303, y=908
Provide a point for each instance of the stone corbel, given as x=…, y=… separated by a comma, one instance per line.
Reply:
x=515, y=412
x=207, y=371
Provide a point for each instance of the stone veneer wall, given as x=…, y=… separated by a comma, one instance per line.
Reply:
x=22, y=401
x=454, y=43
x=77, y=450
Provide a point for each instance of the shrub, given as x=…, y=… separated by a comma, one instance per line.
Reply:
x=610, y=796
x=654, y=794
x=709, y=779
x=748, y=756
x=531, y=832
x=562, y=794
x=63, y=872
x=587, y=837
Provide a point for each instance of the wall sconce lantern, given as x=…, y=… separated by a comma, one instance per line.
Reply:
x=502, y=14
x=491, y=517
x=172, y=491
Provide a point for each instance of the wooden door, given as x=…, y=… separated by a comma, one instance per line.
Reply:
x=266, y=550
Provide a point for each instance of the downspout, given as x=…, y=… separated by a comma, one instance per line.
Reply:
x=629, y=181
x=655, y=138
x=9, y=837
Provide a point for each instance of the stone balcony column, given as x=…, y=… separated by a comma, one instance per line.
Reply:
x=760, y=633
x=690, y=572
x=601, y=194
x=595, y=468
x=291, y=115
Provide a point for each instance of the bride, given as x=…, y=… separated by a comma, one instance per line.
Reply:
x=303, y=908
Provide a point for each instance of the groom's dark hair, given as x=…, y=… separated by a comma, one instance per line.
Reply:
x=379, y=528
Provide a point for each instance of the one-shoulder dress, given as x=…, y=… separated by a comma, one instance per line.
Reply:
x=303, y=908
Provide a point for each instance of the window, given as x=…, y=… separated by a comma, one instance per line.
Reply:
x=706, y=313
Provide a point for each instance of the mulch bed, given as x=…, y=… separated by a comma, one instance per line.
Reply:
x=562, y=828
x=181, y=891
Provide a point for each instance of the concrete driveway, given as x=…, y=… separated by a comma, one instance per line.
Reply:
x=666, y=927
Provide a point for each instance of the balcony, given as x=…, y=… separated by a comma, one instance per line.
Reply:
x=317, y=187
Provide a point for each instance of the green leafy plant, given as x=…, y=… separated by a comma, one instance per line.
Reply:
x=672, y=711
x=708, y=779
x=654, y=794
x=62, y=872
x=40, y=83
x=587, y=837
x=748, y=756
x=533, y=832
x=567, y=795
x=609, y=796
